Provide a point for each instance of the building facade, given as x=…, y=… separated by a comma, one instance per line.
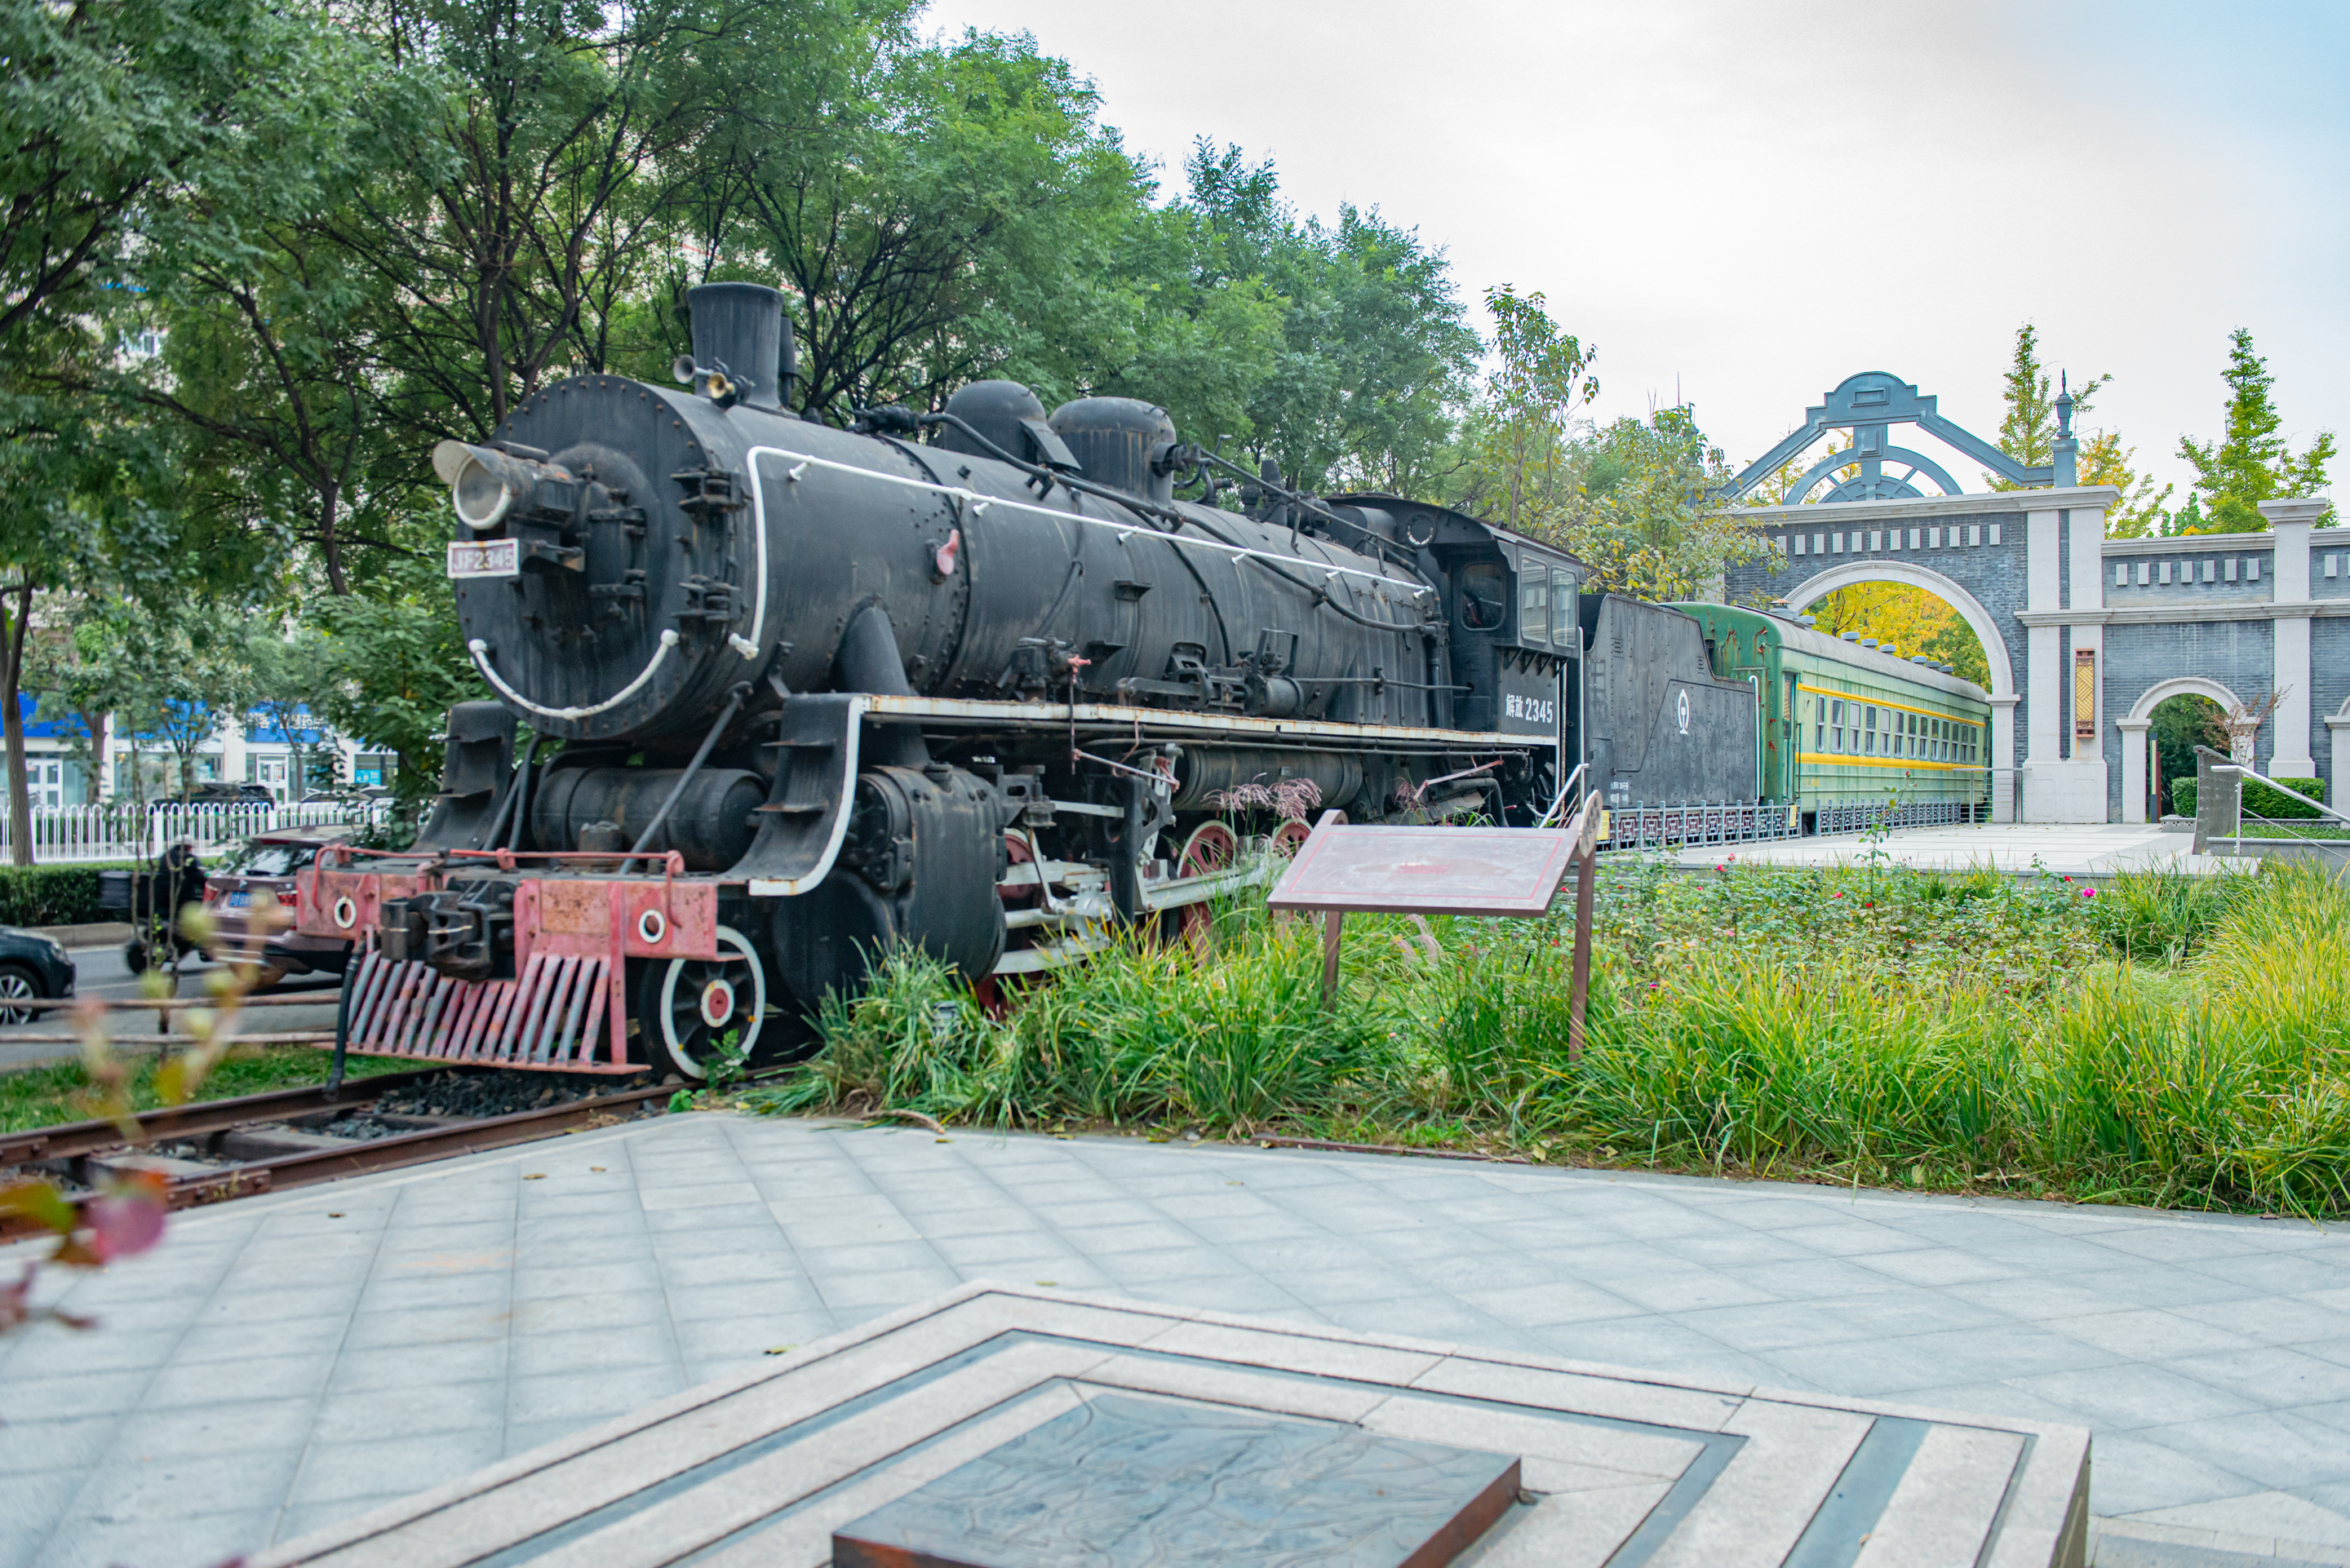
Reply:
x=2086, y=635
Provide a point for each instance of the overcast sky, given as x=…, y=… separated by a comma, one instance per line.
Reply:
x=1755, y=201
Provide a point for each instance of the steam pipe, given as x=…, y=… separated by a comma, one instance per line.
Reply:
x=734, y=700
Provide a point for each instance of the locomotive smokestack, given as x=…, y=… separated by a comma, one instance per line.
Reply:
x=742, y=327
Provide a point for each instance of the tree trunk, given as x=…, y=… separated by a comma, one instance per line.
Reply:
x=14, y=619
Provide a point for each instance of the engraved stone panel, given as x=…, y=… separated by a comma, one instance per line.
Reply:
x=1127, y=1480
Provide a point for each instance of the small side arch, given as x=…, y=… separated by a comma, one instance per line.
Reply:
x=1970, y=609
x=2162, y=691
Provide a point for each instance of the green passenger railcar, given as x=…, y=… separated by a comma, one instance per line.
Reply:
x=1848, y=728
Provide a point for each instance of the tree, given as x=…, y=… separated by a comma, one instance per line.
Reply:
x=1376, y=357
x=2251, y=463
x=1518, y=463
x=2027, y=430
x=286, y=692
x=1911, y=618
x=2138, y=512
x=112, y=113
x=928, y=213
x=171, y=675
x=390, y=665
x=528, y=156
x=1644, y=510
x=2181, y=724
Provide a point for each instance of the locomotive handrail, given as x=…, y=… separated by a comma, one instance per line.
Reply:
x=479, y=650
x=1560, y=799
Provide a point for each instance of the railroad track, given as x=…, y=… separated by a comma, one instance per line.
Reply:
x=80, y=1144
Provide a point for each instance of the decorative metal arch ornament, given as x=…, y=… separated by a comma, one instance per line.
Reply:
x=1869, y=405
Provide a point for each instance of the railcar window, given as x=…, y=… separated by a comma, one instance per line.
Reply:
x=1533, y=606
x=1484, y=596
x=1562, y=609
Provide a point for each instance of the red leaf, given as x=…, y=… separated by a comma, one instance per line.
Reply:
x=127, y=1216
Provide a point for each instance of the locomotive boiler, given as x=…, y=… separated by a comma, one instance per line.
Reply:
x=975, y=680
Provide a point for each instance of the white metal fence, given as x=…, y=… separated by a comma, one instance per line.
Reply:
x=65, y=833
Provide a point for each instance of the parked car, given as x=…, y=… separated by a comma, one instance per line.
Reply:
x=222, y=793
x=268, y=865
x=31, y=965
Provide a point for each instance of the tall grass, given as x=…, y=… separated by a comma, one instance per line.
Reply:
x=2165, y=1038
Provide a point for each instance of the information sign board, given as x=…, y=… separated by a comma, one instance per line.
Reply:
x=1427, y=870
x=1490, y=871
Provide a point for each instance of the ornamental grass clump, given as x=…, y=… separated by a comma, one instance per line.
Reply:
x=2231, y=1091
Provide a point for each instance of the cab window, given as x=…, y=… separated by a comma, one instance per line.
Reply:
x=1562, y=609
x=1533, y=606
x=1485, y=596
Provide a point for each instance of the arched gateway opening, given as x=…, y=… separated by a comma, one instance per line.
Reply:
x=1979, y=620
x=2165, y=724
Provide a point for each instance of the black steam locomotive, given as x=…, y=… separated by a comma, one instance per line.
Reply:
x=974, y=680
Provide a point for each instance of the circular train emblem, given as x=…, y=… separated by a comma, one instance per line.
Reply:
x=1680, y=710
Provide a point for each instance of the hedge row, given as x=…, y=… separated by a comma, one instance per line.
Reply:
x=2260, y=800
x=51, y=895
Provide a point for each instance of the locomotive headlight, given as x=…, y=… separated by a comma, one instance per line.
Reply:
x=482, y=484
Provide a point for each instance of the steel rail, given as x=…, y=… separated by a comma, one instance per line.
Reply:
x=168, y=1122
x=366, y=1156
x=321, y=997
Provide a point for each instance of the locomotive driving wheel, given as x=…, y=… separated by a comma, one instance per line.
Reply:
x=1212, y=847
x=1289, y=838
x=693, y=1010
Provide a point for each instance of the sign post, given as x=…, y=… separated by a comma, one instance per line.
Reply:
x=1492, y=871
x=1583, y=830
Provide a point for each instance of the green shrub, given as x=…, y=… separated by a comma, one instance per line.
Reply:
x=51, y=895
x=2260, y=800
x=2182, y=796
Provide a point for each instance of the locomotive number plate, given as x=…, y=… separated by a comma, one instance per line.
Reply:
x=486, y=559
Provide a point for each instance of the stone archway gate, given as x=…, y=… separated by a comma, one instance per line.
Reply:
x=2078, y=628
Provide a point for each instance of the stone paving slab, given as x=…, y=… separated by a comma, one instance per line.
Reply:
x=855, y=1439
x=2091, y=850
x=283, y=1362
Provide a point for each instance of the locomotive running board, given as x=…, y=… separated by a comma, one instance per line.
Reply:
x=1124, y=721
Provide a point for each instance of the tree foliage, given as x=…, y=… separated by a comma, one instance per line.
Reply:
x=2138, y=512
x=2028, y=425
x=1646, y=511
x=2251, y=462
x=1912, y=619
x=1520, y=435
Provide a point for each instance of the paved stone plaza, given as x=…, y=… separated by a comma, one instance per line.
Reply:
x=284, y=1363
x=2090, y=849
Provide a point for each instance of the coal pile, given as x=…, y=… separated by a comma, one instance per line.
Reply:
x=475, y=1096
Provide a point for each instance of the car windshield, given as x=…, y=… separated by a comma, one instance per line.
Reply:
x=273, y=860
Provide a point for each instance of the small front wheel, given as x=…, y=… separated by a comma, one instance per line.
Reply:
x=694, y=1011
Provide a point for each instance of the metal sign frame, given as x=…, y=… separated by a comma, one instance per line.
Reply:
x=1305, y=887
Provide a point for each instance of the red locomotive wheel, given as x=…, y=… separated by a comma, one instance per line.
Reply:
x=1212, y=847
x=692, y=1009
